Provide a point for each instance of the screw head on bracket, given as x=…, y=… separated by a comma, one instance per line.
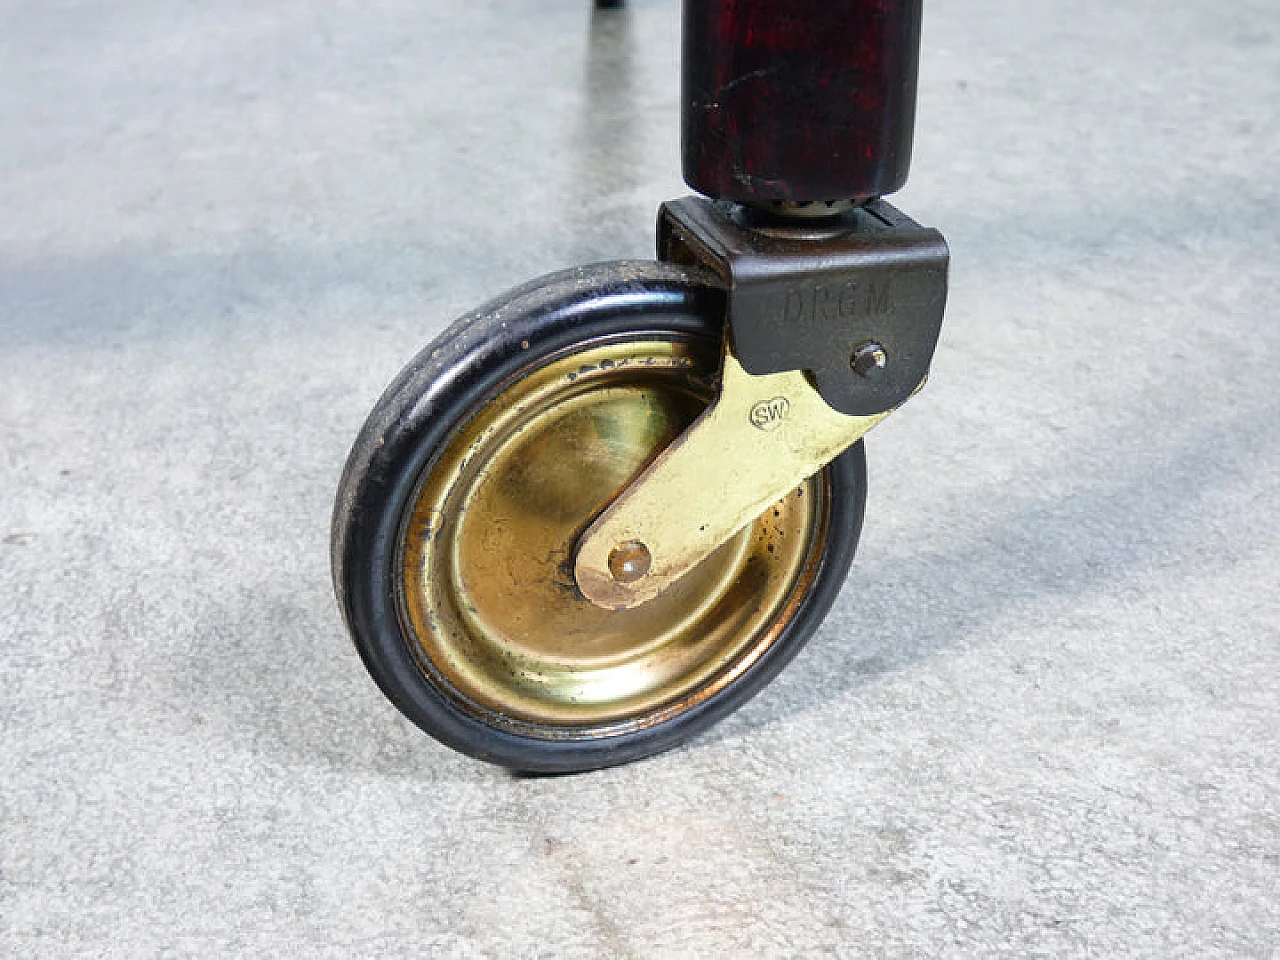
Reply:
x=868, y=359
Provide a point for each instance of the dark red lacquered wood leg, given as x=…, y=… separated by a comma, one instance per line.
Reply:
x=799, y=100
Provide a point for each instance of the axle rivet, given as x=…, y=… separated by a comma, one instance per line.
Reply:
x=629, y=561
x=868, y=359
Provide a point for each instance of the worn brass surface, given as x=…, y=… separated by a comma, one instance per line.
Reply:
x=487, y=553
x=762, y=438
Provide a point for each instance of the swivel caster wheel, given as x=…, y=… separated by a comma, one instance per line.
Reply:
x=467, y=494
x=603, y=511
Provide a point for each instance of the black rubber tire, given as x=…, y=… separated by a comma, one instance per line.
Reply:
x=434, y=395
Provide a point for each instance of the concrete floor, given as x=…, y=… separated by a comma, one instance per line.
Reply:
x=1044, y=716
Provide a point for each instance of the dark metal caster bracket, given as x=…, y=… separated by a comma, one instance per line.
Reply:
x=811, y=294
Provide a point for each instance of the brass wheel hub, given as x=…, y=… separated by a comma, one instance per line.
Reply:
x=487, y=552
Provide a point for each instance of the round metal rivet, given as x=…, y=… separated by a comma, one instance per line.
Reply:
x=868, y=359
x=630, y=561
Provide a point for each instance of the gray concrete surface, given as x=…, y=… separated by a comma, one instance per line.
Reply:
x=1043, y=717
